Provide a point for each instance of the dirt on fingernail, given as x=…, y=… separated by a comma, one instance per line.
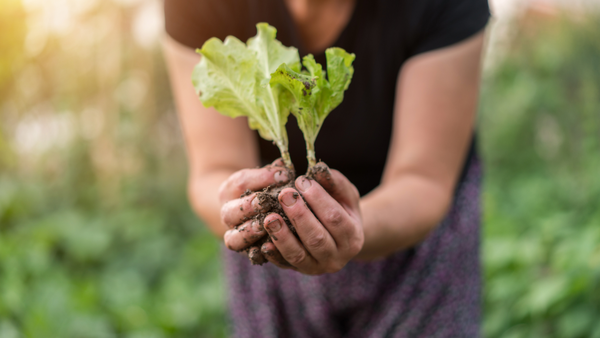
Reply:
x=268, y=199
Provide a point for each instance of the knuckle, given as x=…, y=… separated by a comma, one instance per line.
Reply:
x=239, y=187
x=355, y=193
x=354, y=248
x=297, y=258
x=317, y=241
x=355, y=245
x=224, y=215
x=232, y=241
x=238, y=181
x=227, y=239
x=235, y=185
x=333, y=218
x=246, y=205
x=230, y=216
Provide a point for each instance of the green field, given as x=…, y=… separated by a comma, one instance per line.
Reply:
x=97, y=238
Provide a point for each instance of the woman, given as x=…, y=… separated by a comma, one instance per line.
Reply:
x=393, y=248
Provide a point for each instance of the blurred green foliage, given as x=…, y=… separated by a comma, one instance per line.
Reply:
x=97, y=238
x=144, y=268
x=96, y=235
x=540, y=136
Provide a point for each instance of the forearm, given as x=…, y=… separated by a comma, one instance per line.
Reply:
x=216, y=145
x=203, y=192
x=433, y=124
x=400, y=214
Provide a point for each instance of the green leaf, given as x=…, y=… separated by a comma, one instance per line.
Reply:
x=225, y=78
x=311, y=96
x=233, y=77
x=270, y=52
x=339, y=67
x=300, y=95
x=545, y=293
x=262, y=80
x=303, y=88
x=340, y=72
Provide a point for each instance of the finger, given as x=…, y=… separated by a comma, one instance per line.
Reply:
x=253, y=180
x=256, y=257
x=278, y=163
x=288, y=245
x=244, y=236
x=322, y=174
x=329, y=212
x=312, y=233
x=336, y=184
x=269, y=250
x=236, y=212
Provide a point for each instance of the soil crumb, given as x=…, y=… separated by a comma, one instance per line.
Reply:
x=268, y=199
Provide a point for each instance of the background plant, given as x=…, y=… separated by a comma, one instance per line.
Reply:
x=96, y=236
x=540, y=133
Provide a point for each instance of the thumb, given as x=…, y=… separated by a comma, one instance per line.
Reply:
x=336, y=184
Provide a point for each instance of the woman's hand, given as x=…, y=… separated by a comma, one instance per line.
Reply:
x=238, y=211
x=330, y=235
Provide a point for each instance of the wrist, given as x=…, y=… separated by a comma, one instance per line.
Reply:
x=203, y=196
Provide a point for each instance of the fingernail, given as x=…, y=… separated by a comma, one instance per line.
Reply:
x=281, y=176
x=274, y=225
x=255, y=203
x=303, y=184
x=289, y=198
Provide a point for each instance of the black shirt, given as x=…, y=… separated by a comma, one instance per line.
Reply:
x=383, y=34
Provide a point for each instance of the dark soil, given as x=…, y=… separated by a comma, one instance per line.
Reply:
x=321, y=173
x=269, y=202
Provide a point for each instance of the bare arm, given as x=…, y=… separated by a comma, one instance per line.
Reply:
x=436, y=100
x=434, y=116
x=217, y=146
x=433, y=123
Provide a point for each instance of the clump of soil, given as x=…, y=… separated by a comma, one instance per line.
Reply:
x=268, y=199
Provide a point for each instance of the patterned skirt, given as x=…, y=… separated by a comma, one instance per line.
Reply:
x=431, y=290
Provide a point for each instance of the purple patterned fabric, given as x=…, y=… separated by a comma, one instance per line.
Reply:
x=432, y=290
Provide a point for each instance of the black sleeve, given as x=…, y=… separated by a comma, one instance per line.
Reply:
x=442, y=23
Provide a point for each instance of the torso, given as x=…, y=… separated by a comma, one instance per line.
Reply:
x=383, y=34
x=431, y=290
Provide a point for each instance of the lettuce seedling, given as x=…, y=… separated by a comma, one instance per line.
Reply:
x=233, y=77
x=262, y=80
x=314, y=96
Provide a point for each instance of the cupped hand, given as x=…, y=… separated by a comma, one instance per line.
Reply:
x=236, y=211
x=330, y=235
